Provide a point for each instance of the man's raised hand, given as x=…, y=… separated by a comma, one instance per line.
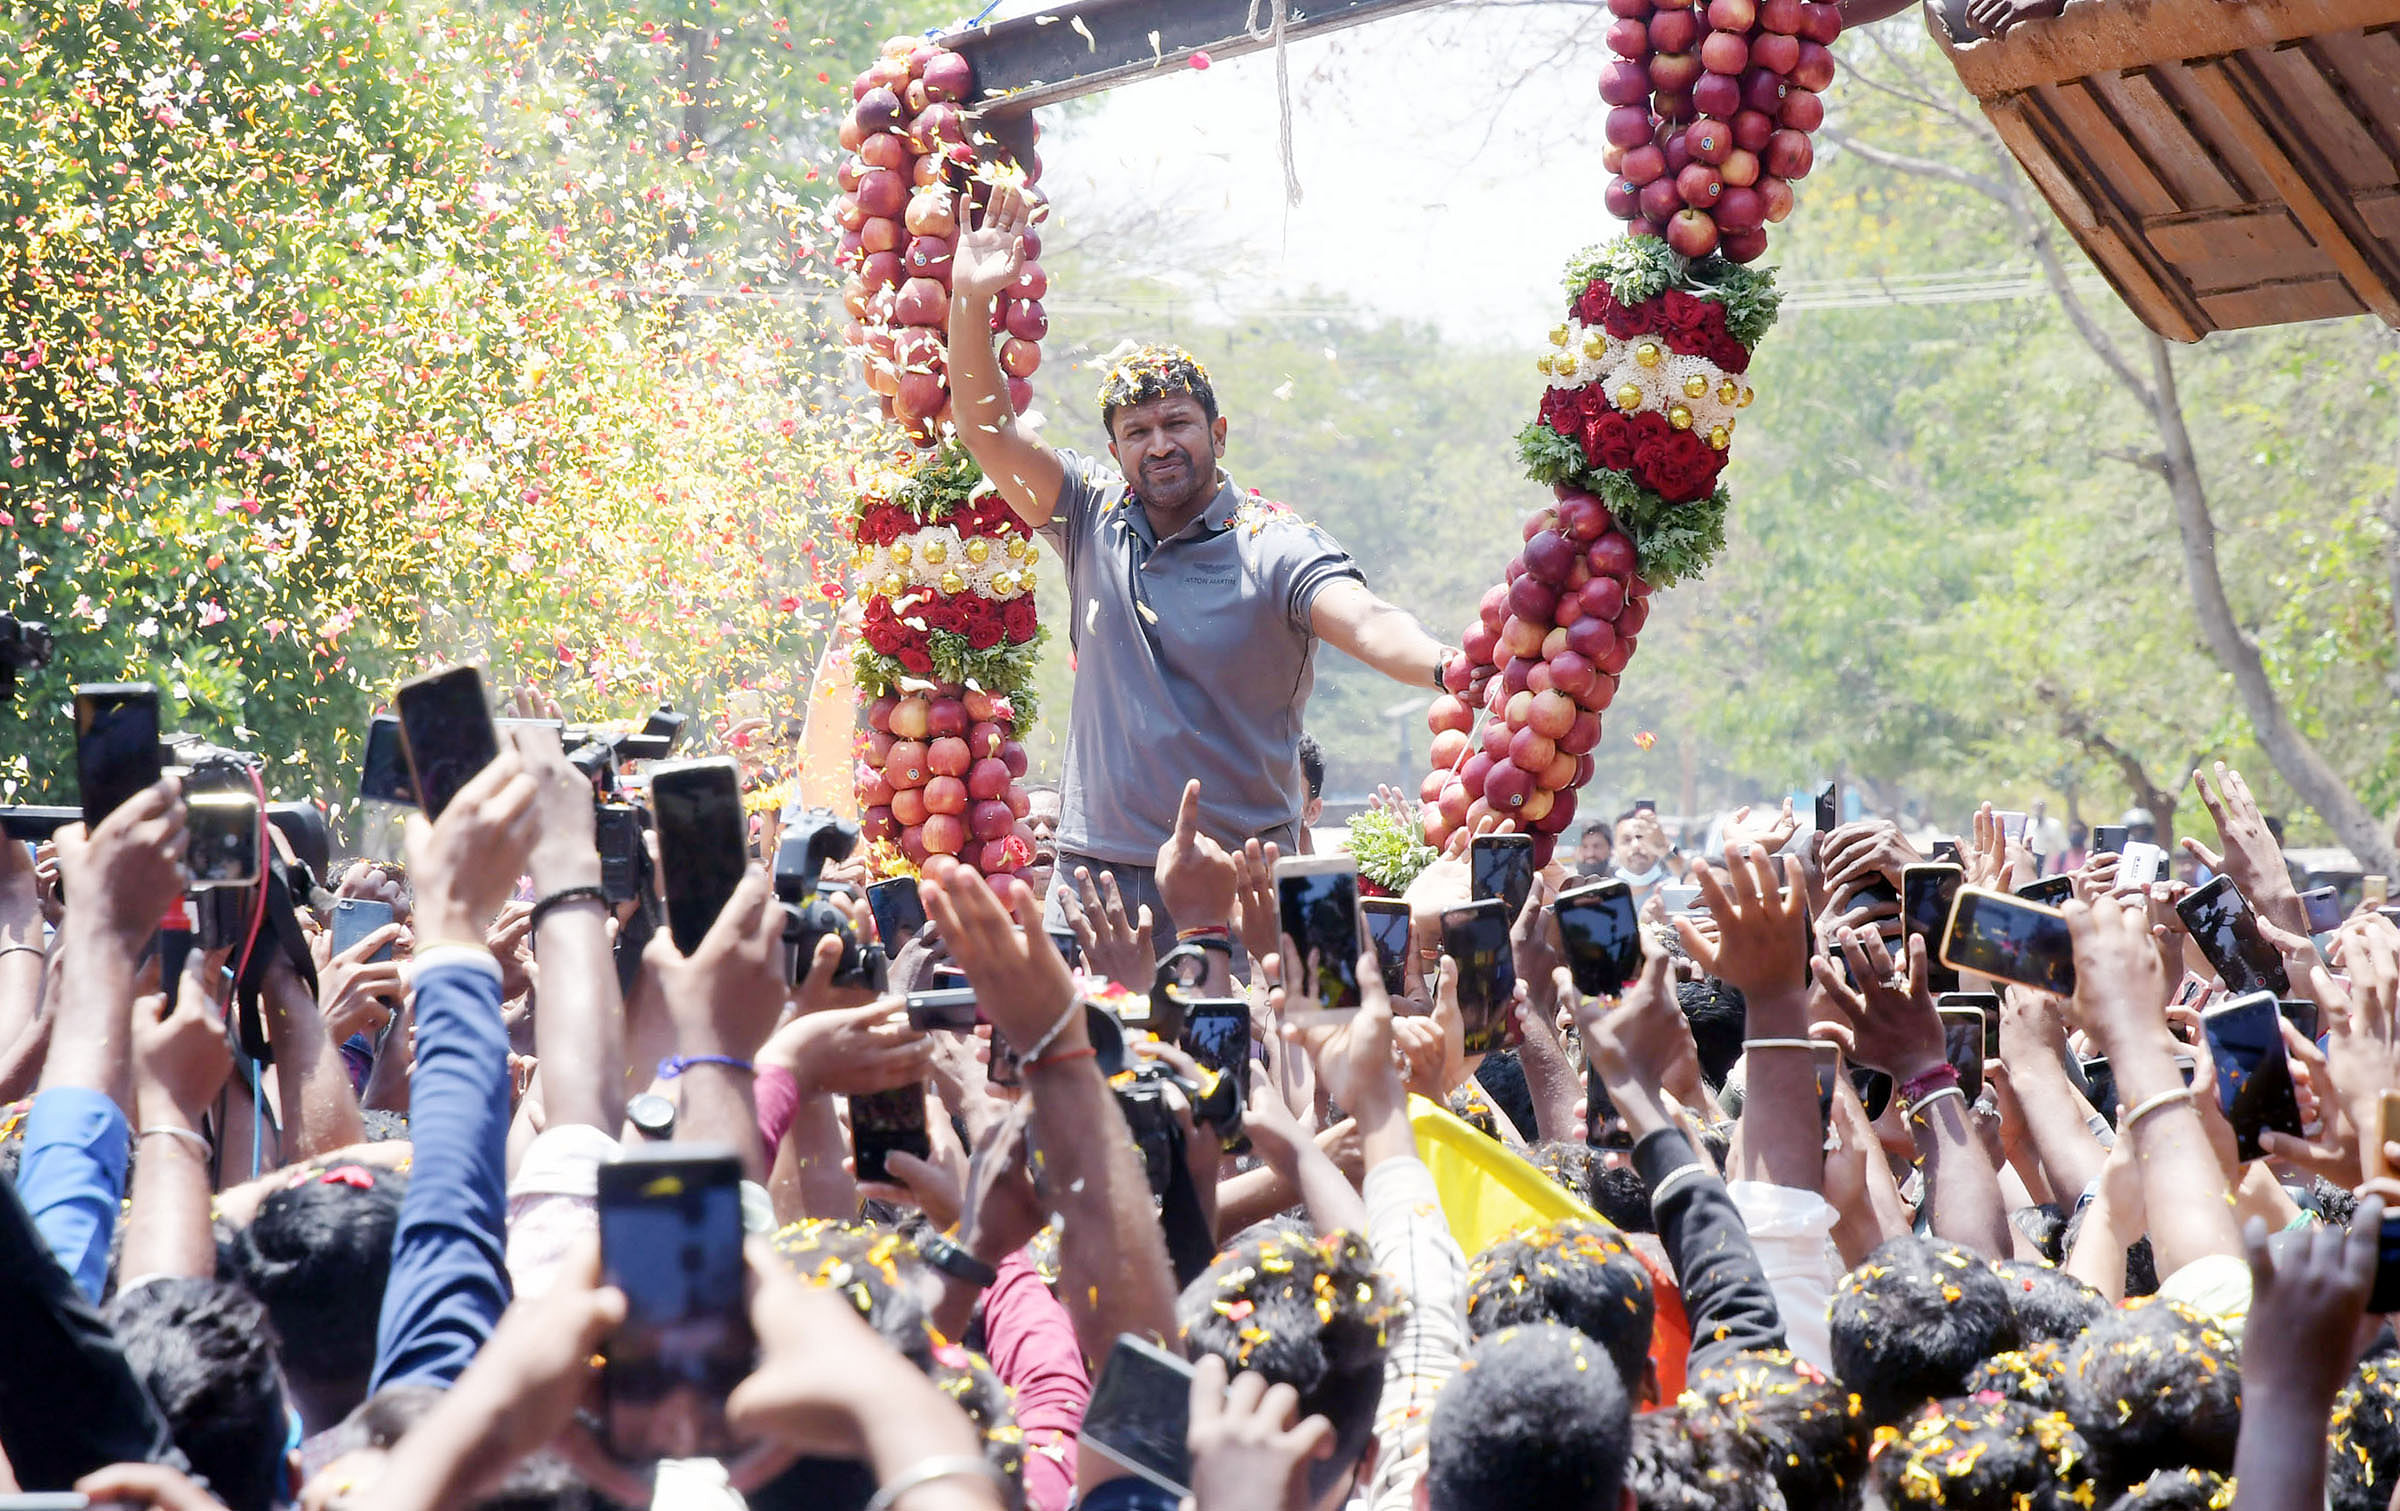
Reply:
x=466, y=863
x=991, y=254
x=1762, y=931
x=1197, y=879
x=1021, y=981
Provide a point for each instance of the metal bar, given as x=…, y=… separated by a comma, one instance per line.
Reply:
x=1044, y=58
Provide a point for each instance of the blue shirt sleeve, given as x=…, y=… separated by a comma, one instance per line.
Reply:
x=72, y=1178
x=449, y=1280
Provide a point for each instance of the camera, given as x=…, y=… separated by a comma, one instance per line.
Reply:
x=25, y=646
x=597, y=752
x=619, y=830
x=812, y=837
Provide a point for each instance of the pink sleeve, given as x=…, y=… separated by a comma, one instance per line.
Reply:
x=1031, y=1343
x=777, y=1095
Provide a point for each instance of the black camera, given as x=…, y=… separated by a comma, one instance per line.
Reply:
x=619, y=830
x=597, y=753
x=25, y=646
x=811, y=838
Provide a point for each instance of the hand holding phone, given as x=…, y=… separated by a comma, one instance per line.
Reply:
x=1602, y=937
x=1501, y=865
x=671, y=1241
x=1317, y=896
x=1476, y=938
x=2007, y=938
x=2254, y=1074
x=447, y=733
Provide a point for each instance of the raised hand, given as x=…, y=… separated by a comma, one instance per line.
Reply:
x=2251, y=858
x=356, y=993
x=1762, y=931
x=724, y=997
x=1770, y=830
x=991, y=254
x=1353, y=1049
x=124, y=875
x=1893, y=1025
x=851, y=1050
x=1197, y=880
x=1115, y=946
x=182, y=1055
x=1870, y=847
x=1257, y=917
x=1021, y=981
x=1250, y=1447
x=465, y=865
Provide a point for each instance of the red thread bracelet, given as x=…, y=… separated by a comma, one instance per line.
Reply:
x=1944, y=1074
x=1062, y=1057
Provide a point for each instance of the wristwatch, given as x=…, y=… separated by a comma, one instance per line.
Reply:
x=1441, y=666
x=944, y=1254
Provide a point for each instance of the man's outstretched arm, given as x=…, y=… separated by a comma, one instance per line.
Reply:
x=989, y=258
x=1349, y=617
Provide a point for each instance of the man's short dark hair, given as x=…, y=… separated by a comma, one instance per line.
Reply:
x=317, y=1255
x=2035, y=1374
x=1684, y=1461
x=1805, y=1425
x=539, y=1482
x=1570, y=1271
x=2186, y=1490
x=1536, y=1416
x=2050, y=1303
x=1603, y=828
x=1502, y=1077
x=2185, y=1372
x=1150, y=374
x=2044, y=1226
x=1717, y=1013
x=2363, y=1446
x=1257, y=1308
x=1621, y=1195
x=1969, y=1455
x=1312, y=765
x=1912, y=1320
x=205, y=1350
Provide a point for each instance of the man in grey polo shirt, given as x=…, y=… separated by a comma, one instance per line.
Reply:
x=1196, y=605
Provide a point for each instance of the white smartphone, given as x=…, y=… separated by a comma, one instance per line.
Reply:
x=2140, y=865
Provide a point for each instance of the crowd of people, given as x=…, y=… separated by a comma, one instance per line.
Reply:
x=366, y=1273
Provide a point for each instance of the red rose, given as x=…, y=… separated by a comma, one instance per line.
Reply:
x=1679, y=466
x=1017, y=618
x=1593, y=307
x=1562, y=409
x=1626, y=321
x=1609, y=442
x=1729, y=353
x=916, y=661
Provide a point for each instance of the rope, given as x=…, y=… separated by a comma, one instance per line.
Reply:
x=1283, y=90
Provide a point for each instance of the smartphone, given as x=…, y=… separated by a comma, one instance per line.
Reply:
x=1828, y=1061
x=1318, y=898
x=624, y=859
x=383, y=766
x=1070, y=948
x=1139, y=1414
x=1962, y=1046
x=703, y=844
x=1645, y=805
x=116, y=745
x=1501, y=865
x=221, y=844
x=2324, y=908
x=898, y=910
x=2007, y=938
x=2100, y=1081
x=2012, y=826
x=671, y=1240
x=1874, y=1089
x=1926, y=892
x=2226, y=933
x=354, y=918
x=2301, y=1013
x=2384, y=1295
x=951, y=1010
x=446, y=733
x=1945, y=852
x=2140, y=864
x=1602, y=937
x=1216, y=1032
x=2050, y=891
x=1986, y=1003
x=2109, y=839
x=1679, y=897
x=1829, y=808
x=1387, y=930
x=29, y=824
x=2387, y=1130
x=2254, y=1076
x=2373, y=891
x=883, y=1123
x=1476, y=936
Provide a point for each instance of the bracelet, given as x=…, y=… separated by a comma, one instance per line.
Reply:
x=675, y=1065
x=1061, y=1058
x=197, y=1141
x=2148, y=1105
x=949, y=1256
x=1073, y=1015
x=1808, y=1044
x=926, y=1471
x=1920, y=1087
x=1441, y=668
x=7, y=950
x=1917, y=1105
x=1674, y=1178
x=560, y=899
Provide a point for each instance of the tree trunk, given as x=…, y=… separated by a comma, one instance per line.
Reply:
x=2076, y=725
x=2294, y=754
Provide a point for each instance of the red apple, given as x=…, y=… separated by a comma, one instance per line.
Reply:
x=1603, y=597
x=1538, y=680
x=1739, y=170
x=1544, y=518
x=1507, y=787
x=1020, y=395
x=1732, y=15
x=1531, y=749
x=1789, y=155
x=1480, y=644
x=1632, y=10
x=1674, y=31
x=1012, y=755
x=879, y=746
x=1459, y=675
x=1517, y=675
x=1532, y=599
x=1523, y=637
x=878, y=826
x=945, y=794
x=1629, y=39
x=988, y=779
x=879, y=713
x=1803, y=110
x=1449, y=713
x=923, y=302
x=1027, y=320
x=873, y=790
x=1740, y=210
x=1679, y=151
x=1751, y=128
x=1536, y=807
x=1670, y=73
x=1613, y=554
x=1708, y=142
x=1430, y=790
x=1778, y=196
x=991, y=819
x=1470, y=776
x=1553, y=823
x=930, y=257
x=1592, y=639
x=1550, y=715
x=1615, y=661
x=883, y=194
x=944, y=834
x=1604, y=691
x=1724, y=52
x=948, y=76
x=1629, y=125
x=1777, y=52
x=905, y=766
x=1717, y=95
x=1820, y=21
x=1644, y=165
x=1661, y=199
x=1625, y=82
x=1519, y=707
x=1674, y=106
x=1449, y=748
x=1779, y=15
x=1549, y=556
x=1645, y=227
x=881, y=235
x=1582, y=735
x=1622, y=198
x=1570, y=673
x=1637, y=614
x=877, y=110
x=946, y=716
x=1762, y=91
x=1559, y=775
x=1612, y=158
x=1583, y=517
x=1815, y=69
x=912, y=843
x=911, y=718
x=1020, y=358
x=948, y=756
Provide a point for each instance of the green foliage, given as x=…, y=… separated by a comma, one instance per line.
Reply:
x=1640, y=268
x=1676, y=542
x=940, y=483
x=1390, y=853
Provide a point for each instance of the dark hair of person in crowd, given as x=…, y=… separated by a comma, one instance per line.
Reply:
x=2362, y=1449
x=1151, y=374
x=1536, y=1416
x=2045, y=1227
x=1684, y=1462
x=1806, y=1427
x=1979, y=1455
x=1312, y=1313
x=2035, y=1374
x=1312, y=765
x=2050, y=1303
x=1573, y=1272
x=1502, y=1077
x=2185, y=1372
x=1571, y=1164
x=205, y=1351
x=2182, y=1490
x=1469, y=1105
x=1621, y=1195
x=875, y=1268
x=1912, y=1320
x=1716, y=1013
x=317, y=1255
x=539, y=1482
x=2141, y=1263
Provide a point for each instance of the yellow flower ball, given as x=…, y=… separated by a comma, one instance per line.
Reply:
x=953, y=583
x=1003, y=584
x=1595, y=345
x=1695, y=387
x=1747, y=395
x=1680, y=417
x=901, y=554
x=979, y=551
x=894, y=585
x=1729, y=392
x=1629, y=397
x=935, y=553
x=1560, y=335
x=1542, y=365
x=1720, y=437
x=1033, y=553
x=1015, y=549
x=1648, y=354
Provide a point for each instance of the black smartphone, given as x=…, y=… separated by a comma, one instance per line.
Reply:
x=2301, y=1013
x=883, y=1123
x=1599, y=1111
x=2254, y=1075
x=31, y=824
x=2384, y=1296
x=1828, y=1061
x=2100, y=1083
x=2226, y=933
x=116, y=745
x=1070, y=948
x=2050, y=891
x=1476, y=936
x=1962, y=1046
x=2109, y=839
x=1986, y=1003
x=1387, y=930
x=2009, y=939
x=1602, y=936
x=1645, y=805
x=354, y=918
x=2324, y=908
x=671, y=1240
x=174, y=948
x=446, y=732
x=1140, y=1411
x=1829, y=808
x=383, y=766
x=221, y=839
x=898, y=910
x=1874, y=1090
x=703, y=844
x=1945, y=852
x=1318, y=898
x=1501, y=865
x=1926, y=892
x=1216, y=1032
x=952, y=1009
x=624, y=861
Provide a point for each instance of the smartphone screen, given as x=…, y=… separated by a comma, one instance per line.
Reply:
x=1926, y=892
x=887, y=1122
x=221, y=839
x=952, y=1010
x=2254, y=1076
x=671, y=1240
x=898, y=912
x=702, y=844
x=2226, y=934
x=1829, y=808
x=1602, y=936
x=2009, y=939
x=1139, y=1415
x=2108, y=839
x=1986, y=1003
x=116, y=745
x=1318, y=897
x=2324, y=908
x=446, y=732
x=1216, y=1032
x=1476, y=936
x=2050, y=891
x=383, y=766
x=2301, y=1013
x=1387, y=930
x=1501, y=865
x=1962, y=1046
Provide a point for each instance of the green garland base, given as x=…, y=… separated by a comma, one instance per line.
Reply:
x=1003, y=670
x=1675, y=542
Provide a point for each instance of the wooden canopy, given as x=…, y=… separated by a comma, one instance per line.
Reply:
x=2226, y=163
